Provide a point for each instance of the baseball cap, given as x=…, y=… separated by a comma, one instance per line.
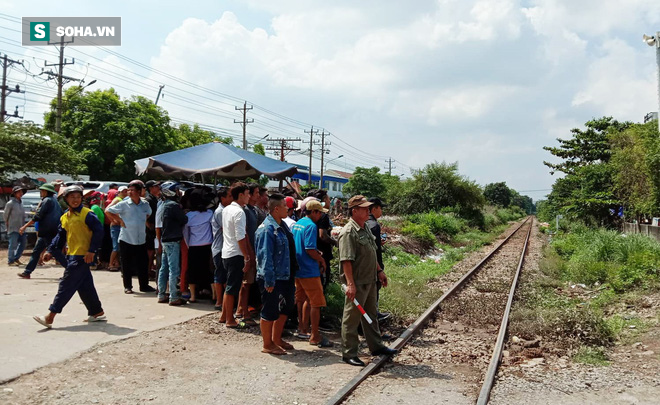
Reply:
x=290, y=202
x=358, y=201
x=377, y=202
x=152, y=183
x=122, y=188
x=315, y=205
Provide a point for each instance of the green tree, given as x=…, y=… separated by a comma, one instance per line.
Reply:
x=636, y=163
x=110, y=134
x=366, y=181
x=25, y=147
x=585, y=147
x=259, y=149
x=498, y=194
x=438, y=186
x=522, y=201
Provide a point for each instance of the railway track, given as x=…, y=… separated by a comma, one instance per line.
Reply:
x=469, y=322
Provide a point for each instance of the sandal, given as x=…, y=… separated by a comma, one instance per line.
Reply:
x=250, y=322
x=240, y=325
x=93, y=318
x=43, y=322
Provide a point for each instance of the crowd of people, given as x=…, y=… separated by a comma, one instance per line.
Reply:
x=240, y=246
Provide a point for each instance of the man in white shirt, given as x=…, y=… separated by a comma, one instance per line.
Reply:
x=220, y=273
x=235, y=252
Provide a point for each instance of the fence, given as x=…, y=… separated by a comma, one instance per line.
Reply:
x=649, y=230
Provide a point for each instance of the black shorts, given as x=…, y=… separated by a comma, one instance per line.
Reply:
x=273, y=303
x=151, y=236
x=220, y=273
x=234, y=266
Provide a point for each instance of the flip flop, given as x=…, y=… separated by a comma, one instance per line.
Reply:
x=302, y=336
x=93, y=318
x=323, y=343
x=275, y=352
x=286, y=346
x=42, y=322
x=240, y=325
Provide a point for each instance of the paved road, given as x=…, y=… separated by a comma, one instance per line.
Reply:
x=27, y=345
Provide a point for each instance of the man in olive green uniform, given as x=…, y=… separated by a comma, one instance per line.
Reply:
x=359, y=271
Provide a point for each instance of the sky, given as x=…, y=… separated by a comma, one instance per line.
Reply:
x=483, y=83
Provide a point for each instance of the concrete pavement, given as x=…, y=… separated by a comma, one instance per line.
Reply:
x=28, y=345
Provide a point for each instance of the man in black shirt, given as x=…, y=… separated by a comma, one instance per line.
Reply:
x=375, y=212
x=324, y=241
x=153, y=195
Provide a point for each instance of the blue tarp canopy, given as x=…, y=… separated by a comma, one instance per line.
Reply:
x=215, y=159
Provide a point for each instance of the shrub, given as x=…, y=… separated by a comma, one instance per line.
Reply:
x=420, y=233
x=445, y=226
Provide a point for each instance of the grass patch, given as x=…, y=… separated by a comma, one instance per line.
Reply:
x=594, y=356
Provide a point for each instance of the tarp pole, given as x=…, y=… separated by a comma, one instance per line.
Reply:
x=294, y=189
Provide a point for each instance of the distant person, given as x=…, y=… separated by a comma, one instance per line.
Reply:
x=220, y=273
x=82, y=232
x=290, y=215
x=325, y=241
x=152, y=197
x=48, y=215
x=115, y=227
x=262, y=205
x=59, y=188
x=235, y=252
x=171, y=233
x=14, y=216
x=198, y=235
x=273, y=272
x=132, y=215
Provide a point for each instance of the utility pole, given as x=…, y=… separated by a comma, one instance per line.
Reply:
x=311, y=142
x=282, y=145
x=61, y=64
x=323, y=152
x=4, y=90
x=245, y=121
x=160, y=88
x=389, y=162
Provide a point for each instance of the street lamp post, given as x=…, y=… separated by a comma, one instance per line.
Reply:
x=326, y=166
x=655, y=42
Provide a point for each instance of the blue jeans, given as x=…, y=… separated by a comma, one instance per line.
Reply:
x=16, y=246
x=169, y=268
x=114, y=235
x=39, y=247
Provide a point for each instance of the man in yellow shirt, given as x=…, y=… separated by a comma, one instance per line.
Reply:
x=82, y=232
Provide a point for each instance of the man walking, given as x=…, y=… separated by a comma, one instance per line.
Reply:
x=235, y=252
x=48, y=215
x=220, y=273
x=309, y=289
x=82, y=232
x=14, y=216
x=132, y=215
x=273, y=271
x=171, y=233
x=359, y=272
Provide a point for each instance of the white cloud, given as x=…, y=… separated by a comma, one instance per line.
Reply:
x=620, y=82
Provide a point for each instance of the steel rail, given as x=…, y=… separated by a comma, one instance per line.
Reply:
x=489, y=379
x=346, y=390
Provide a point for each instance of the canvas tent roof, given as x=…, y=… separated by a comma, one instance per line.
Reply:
x=219, y=159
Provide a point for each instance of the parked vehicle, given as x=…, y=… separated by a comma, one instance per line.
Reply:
x=96, y=185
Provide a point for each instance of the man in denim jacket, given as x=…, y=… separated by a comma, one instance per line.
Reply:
x=273, y=272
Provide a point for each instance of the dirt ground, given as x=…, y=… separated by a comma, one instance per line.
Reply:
x=199, y=362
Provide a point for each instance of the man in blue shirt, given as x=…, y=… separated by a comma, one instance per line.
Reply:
x=309, y=289
x=273, y=271
x=132, y=214
x=48, y=216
